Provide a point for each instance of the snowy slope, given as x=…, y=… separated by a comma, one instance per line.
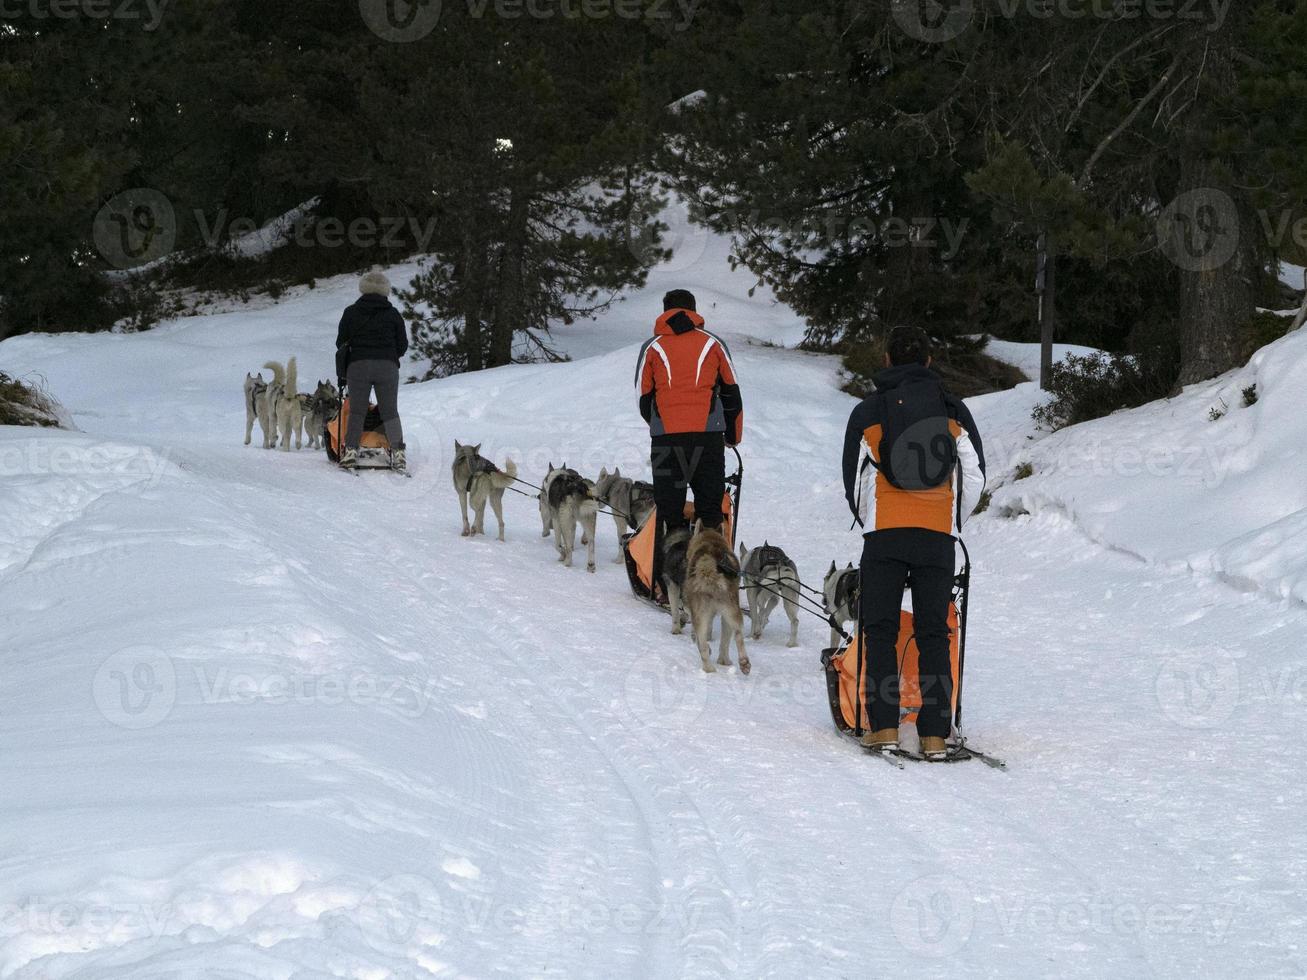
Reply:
x=1172, y=485
x=263, y=719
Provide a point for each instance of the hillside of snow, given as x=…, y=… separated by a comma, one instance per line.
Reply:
x=263, y=719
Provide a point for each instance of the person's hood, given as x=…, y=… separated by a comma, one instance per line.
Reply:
x=677, y=322
x=902, y=374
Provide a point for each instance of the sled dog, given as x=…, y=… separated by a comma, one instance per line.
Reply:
x=626, y=499
x=712, y=589
x=288, y=416
x=769, y=577
x=840, y=598
x=256, y=407
x=570, y=500
x=319, y=408
x=480, y=481
x=547, y=515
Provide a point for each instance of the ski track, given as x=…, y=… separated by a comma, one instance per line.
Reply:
x=533, y=777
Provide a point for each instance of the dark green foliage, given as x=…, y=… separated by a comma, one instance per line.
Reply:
x=1090, y=386
x=966, y=369
x=1024, y=471
x=1249, y=396
x=1260, y=329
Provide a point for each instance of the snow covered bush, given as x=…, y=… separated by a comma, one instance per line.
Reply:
x=23, y=403
x=1090, y=386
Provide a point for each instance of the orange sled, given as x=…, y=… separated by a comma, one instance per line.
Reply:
x=373, y=445
x=845, y=667
x=638, y=547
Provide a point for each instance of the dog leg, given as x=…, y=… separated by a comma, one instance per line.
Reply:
x=674, y=602
x=568, y=532
x=724, y=650
x=462, y=504
x=590, y=519
x=792, y=611
x=249, y=427
x=755, y=612
x=480, y=526
x=497, y=503
x=700, y=624
x=620, y=523
x=745, y=666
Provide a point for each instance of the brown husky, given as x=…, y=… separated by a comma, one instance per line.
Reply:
x=712, y=588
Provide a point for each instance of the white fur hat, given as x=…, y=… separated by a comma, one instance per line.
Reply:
x=375, y=282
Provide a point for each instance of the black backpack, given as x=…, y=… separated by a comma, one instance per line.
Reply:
x=917, y=447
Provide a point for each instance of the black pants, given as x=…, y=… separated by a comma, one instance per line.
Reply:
x=883, y=578
x=690, y=461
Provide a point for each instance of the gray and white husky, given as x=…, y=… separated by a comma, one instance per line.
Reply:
x=840, y=597
x=480, y=481
x=257, y=407
x=570, y=500
x=626, y=499
x=284, y=402
x=769, y=576
x=318, y=409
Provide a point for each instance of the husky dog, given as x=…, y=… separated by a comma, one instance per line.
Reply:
x=570, y=499
x=478, y=479
x=769, y=576
x=626, y=499
x=675, y=547
x=288, y=415
x=319, y=408
x=256, y=407
x=840, y=597
x=547, y=515
x=712, y=589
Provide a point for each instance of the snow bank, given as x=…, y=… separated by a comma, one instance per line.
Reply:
x=1171, y=484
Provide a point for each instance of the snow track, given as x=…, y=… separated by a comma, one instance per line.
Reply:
x=264, y=720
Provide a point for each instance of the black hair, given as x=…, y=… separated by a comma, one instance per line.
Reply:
x=678, y=299
x=908, y=345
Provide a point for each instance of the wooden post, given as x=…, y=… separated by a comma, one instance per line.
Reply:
x=1046, y=286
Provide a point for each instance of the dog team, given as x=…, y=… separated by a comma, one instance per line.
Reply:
x=913, y=467
x=282, y=411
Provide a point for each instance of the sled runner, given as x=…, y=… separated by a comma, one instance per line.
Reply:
x=845, y=669
x=638, y=547
x=374, y=447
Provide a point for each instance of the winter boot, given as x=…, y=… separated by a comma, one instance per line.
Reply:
x=398, y=461
x=882, y=739
x=349, y=459
x=934, y=748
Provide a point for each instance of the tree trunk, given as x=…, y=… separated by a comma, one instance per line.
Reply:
x=509, y=308
x=1217, y=255
x=1210, y=233
x=473, y=341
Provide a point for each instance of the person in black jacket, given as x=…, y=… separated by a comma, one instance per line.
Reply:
x=369, y=344
x=914, y=469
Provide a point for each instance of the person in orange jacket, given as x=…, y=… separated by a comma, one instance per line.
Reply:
x=690, y=396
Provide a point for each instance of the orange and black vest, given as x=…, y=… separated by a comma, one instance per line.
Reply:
x=879, y=503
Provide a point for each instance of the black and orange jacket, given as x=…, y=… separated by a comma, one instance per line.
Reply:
x=686, y=380
x=882, y=506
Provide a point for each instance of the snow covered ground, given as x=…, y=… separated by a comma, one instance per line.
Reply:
x=264, y=719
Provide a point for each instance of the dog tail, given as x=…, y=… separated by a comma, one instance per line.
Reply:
x=278, y=372
x=505, y=479
x=292, y=379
